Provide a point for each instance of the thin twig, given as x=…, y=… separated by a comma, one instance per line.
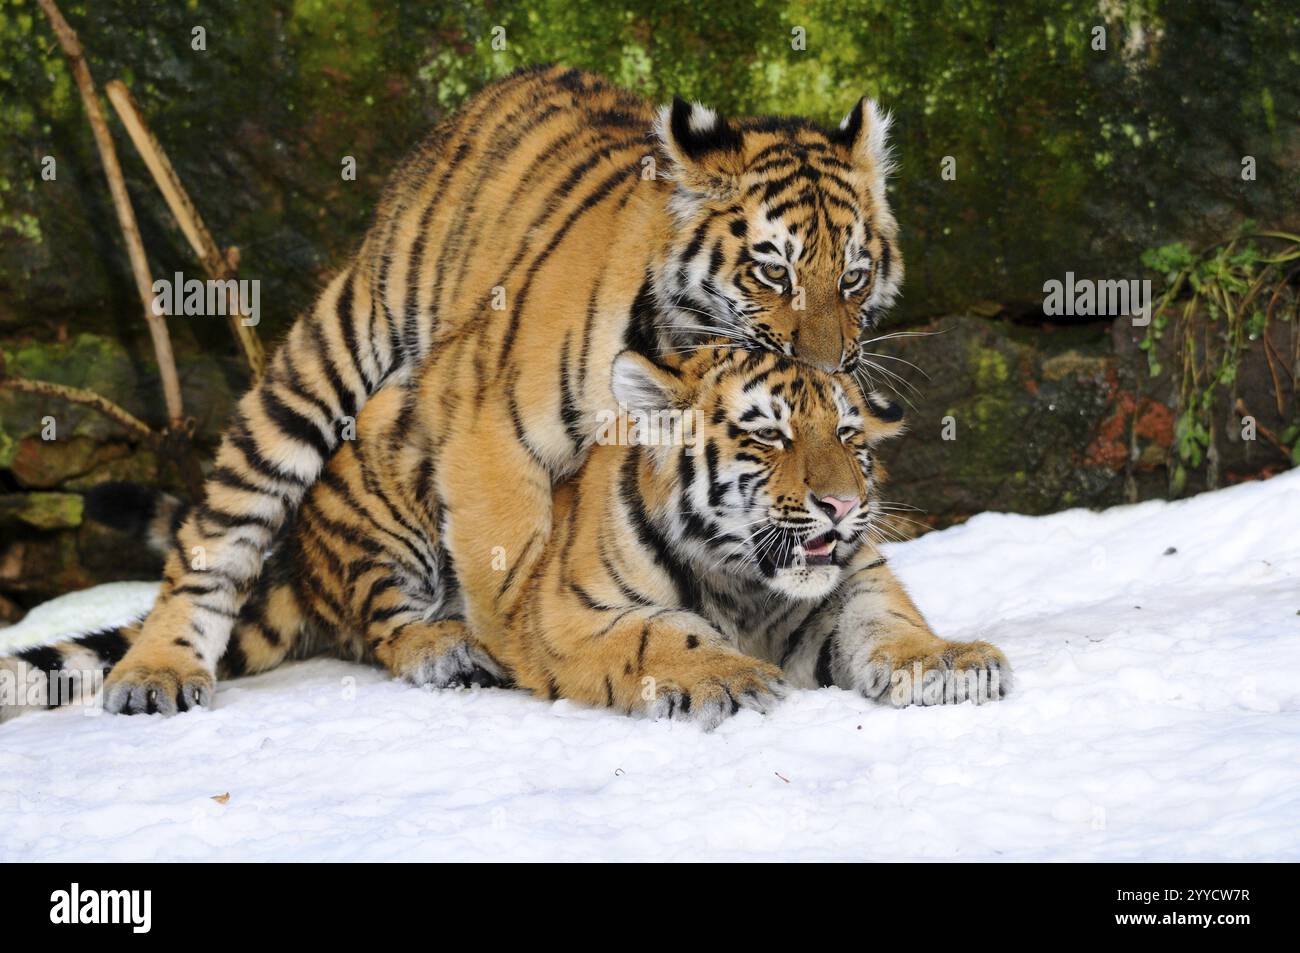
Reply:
x=216, y=263
x=1272, y=372
x=79, y=395
x=1264, y=432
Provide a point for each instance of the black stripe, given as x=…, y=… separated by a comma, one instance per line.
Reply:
x=234, y=661
x=295, y=425
x=650, y=537
x=640, y=652
x=343, y=395
x=382, y=585
x=343, y=313
x=568, y=404
x=243, y=441
x=823, y=670
x=640, y=335
x=46, y=658
x=110, y=646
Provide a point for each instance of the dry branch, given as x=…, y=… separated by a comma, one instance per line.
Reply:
x=217, y=264
x=79, y=395
x=1265, y=432
x=162, y=343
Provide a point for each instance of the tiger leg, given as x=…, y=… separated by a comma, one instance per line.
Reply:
x=404, y=632
x=496, y=514
x=272, y=626
x=658, y=662
x=873, y=639
x=283, y=431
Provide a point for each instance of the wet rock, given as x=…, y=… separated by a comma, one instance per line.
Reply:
x=1001, y=423
x=1033, y=419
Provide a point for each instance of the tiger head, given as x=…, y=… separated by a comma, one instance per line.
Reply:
x=771, y=473
x=783, y=238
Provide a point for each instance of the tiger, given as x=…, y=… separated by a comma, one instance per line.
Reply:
x=551, y=223
x=694, y=570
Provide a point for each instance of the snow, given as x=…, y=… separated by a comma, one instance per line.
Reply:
x=1156, y=716
x=109, y=606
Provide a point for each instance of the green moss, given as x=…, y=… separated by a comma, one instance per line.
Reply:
x=992, y=408
x=88, y=361
x=42, y=510
x=1067, y=159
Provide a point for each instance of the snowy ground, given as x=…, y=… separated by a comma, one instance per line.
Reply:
x=1156, y=716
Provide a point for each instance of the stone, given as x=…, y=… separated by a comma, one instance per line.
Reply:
x=43, y=511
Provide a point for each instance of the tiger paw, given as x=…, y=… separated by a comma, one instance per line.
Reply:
x=731, y=682
x=445, y=657
x=908, y=671
x=162, y=681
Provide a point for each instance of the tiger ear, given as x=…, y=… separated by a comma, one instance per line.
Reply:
x=705, y=150
x=887, y=417
x=865, y=132
x=642, y=385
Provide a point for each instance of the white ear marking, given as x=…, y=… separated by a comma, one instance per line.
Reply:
x=878, y=122
x=635, y=386
x=868, y=125
x=703, y=119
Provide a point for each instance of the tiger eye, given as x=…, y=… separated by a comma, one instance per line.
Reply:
x=775, y=272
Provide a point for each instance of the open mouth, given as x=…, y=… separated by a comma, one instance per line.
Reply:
x=785, y=551
x=820, y=550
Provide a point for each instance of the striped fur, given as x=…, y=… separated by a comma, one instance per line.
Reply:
x=681, y=580
x=551, y=223
x=689, y=578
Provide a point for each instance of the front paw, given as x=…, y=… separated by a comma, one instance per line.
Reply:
x=453, y=664
x=909, y=671
x=709, y=696
x=153, y=681
x=149, y=691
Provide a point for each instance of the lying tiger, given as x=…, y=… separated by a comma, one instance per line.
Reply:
x=709, y=572
x=549, y=224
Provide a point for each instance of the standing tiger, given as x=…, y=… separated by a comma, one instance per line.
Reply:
x=702, y=568
x=551, y=223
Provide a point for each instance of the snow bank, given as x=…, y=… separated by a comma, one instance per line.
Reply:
x=1156, y=716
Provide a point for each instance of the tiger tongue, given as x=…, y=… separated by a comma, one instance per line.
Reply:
x=821, y=546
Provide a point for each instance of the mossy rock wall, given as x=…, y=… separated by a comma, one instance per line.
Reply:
x=1035, y=419
x=1028, y=419
x=1062, y=156
x=51, y=451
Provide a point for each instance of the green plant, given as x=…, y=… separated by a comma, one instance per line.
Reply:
x=1216, y=304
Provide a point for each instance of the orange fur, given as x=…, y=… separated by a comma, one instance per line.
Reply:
x=525, y=241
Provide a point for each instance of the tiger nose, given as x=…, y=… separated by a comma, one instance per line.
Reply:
x=837, y=508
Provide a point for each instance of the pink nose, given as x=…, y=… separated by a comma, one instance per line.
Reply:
x=836, y=508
